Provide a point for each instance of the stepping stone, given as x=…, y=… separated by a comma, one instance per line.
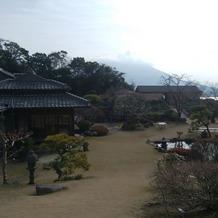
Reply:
x=48, y=188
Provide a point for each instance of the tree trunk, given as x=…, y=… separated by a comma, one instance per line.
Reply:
x=4, y=164
x=179, y=114
x=208, y=131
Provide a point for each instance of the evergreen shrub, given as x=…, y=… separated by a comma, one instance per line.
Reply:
x=84, y=125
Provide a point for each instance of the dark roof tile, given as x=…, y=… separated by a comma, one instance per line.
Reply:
x=31, y=82
x=32, y=85
x=65, y=100
x=5, y=75
x=164, y=89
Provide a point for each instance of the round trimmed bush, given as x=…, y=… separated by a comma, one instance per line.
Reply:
x=100, y=130
x=84, y=125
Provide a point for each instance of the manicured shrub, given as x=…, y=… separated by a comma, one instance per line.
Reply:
x=93, y=98
x=170, y=115
x=129, y=127
x=84, y=125
x=69, y=158
x=180, y=151
x=100, y=130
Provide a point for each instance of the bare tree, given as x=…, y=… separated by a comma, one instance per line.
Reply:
x=7, y=141
x=211, y=99
x=184, y=186
x=212, y=90
x=178, y=91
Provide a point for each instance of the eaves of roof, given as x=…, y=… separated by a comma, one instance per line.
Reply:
x=5, y=75
x=33, y=101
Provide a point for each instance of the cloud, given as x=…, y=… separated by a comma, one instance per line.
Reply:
x=136, y=71
x=172, y=35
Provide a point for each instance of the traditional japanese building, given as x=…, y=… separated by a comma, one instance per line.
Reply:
x=169, y=92
x=35, y=104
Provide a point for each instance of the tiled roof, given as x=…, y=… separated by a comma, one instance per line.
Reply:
x=32, y=85
x=5, y=75
x=65, y=100
x=28, y=91
x=31, y=82
x=165, y=89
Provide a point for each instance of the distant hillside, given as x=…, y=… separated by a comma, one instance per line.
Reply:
x=137, y=72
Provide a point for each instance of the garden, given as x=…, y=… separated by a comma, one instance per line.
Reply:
x=117, y=184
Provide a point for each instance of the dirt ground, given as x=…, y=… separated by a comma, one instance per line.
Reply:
x=115, y=186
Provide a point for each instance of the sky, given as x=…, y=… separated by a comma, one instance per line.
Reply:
x=173, y=36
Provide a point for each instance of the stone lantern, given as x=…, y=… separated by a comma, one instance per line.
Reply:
x=31, y=159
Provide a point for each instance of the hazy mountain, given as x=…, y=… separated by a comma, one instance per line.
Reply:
x=137, y=72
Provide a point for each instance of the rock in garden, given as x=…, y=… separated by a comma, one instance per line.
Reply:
x=48, y=188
